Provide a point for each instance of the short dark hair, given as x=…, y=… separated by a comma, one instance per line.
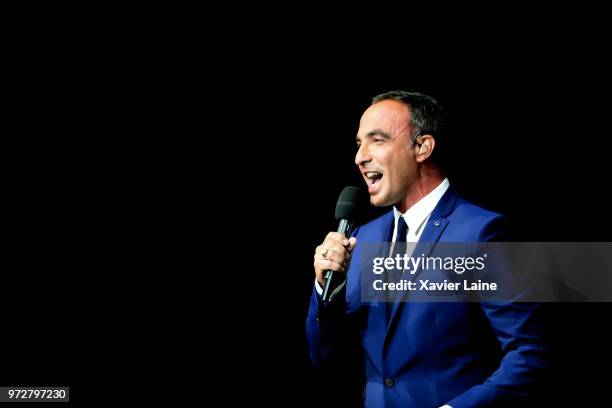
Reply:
x=426, y=116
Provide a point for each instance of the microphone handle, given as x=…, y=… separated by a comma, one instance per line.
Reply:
x=345, y=227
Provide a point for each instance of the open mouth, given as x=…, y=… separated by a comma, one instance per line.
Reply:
x=372, y=179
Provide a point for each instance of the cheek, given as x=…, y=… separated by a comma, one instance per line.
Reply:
x=404, y=163
x=398, y=164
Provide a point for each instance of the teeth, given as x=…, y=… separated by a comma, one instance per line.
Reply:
x=372, y=173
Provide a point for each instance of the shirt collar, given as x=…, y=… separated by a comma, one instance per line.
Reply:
x=416, y=215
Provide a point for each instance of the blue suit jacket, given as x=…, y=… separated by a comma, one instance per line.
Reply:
x=427, y=354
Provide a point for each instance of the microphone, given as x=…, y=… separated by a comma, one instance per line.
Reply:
x=347, y=210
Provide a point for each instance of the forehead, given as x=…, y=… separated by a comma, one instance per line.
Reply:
x=388, y=115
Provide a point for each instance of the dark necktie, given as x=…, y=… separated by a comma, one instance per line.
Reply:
x=400, y=236
x=399, y=248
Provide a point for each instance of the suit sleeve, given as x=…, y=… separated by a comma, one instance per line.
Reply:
x=327, y=325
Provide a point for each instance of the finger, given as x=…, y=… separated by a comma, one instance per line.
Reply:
x=326, y=246
x=335, y=256
x=332, y=245
x=336, y=237
x=352, y=243
x=339, y=254
x=328, y=265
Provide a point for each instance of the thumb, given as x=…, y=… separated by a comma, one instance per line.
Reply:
x=352, y=243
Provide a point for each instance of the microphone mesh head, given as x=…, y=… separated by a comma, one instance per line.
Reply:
x=349, y=203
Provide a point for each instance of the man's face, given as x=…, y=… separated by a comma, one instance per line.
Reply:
x=385, y=156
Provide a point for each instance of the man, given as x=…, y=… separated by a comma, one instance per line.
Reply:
x=420, y=354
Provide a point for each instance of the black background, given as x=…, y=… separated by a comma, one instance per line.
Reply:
x=122, y=143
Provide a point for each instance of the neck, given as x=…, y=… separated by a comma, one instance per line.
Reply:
x=428, y=178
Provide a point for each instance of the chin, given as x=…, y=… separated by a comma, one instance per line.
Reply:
x=377, y=201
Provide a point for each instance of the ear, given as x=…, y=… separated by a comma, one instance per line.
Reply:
x=424, y=151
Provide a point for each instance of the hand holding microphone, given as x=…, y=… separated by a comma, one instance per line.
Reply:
x=334, y=254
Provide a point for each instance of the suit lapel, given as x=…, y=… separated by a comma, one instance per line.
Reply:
x=436, y=224
x=373, y=243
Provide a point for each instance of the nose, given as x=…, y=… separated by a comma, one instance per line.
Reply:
x=363, y=155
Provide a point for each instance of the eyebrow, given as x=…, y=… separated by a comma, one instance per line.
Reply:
x=375, y=132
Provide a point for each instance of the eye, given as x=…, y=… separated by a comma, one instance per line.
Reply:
x=378, y=140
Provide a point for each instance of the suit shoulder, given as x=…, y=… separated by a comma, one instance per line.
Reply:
x=476, y=223
x=466, y=209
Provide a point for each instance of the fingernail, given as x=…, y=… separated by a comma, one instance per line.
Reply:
x=345, y=242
